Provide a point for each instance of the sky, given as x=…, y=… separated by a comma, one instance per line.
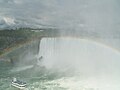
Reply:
x=99, y=17
x=85, y=14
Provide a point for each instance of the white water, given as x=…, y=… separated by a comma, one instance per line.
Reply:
x=88, y=65
x=18, y=69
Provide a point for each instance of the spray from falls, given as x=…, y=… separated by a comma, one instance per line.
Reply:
x=92, y=65
x=71, y=64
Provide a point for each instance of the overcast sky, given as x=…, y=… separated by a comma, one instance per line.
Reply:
x=90, y=14
x=99, y=16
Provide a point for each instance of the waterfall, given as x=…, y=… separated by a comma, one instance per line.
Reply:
x=83, y=55
x=92, y=64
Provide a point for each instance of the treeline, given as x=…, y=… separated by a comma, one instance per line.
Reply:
x=9, y=38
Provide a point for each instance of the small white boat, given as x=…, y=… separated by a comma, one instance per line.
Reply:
x=18, y=84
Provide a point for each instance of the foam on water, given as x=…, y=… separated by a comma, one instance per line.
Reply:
x=69, y=64
x=76, y=83
x=91, y=65
x=18, y=69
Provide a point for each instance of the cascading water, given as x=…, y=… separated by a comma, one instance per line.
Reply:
x=86, y=65
x=69, y=64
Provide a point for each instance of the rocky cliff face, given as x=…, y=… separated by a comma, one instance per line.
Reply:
x=10, y=38
x=15, y=44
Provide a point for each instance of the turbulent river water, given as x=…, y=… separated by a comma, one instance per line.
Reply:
x=67, y=64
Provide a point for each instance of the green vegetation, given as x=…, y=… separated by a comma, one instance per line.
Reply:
x=12, y=38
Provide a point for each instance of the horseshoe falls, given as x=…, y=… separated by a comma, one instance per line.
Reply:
x=84, y=64
x=60, y=44
x=67, y=64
